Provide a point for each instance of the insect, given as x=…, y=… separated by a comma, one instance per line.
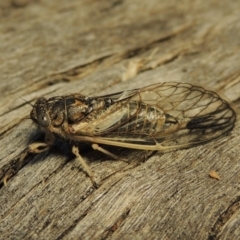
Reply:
x=165, y=116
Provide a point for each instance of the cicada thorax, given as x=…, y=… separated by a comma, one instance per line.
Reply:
x=70, y=109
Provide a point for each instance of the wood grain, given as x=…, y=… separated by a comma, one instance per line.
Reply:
x=51, y=48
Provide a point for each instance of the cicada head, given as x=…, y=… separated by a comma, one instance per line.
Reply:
x=39, y=113
x=51, y=114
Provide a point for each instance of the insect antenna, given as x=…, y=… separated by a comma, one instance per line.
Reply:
x=28, y=102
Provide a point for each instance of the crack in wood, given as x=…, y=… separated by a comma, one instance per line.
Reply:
x=223, y=219
x=83, y=215
x=74, y=223
x=108, y=60
x=116, y=225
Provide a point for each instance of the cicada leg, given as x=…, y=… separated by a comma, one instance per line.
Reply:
x=100, y=149
x=36, y=148
x=84, y=165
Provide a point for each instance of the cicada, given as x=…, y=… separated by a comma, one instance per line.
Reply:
x=164, y=117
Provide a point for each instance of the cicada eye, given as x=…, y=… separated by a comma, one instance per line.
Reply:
x=43, y=120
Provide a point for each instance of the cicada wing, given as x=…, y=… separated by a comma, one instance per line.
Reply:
x=165, y=115
x=206, y=115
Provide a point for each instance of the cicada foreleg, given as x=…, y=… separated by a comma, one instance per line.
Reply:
x=35, y=148
x=39, y=147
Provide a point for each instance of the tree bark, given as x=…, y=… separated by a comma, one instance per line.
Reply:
x=53, y=48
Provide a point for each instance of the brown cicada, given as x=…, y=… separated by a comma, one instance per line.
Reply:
x=164, y=116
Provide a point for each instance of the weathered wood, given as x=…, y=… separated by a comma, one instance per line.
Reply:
x=51, y=48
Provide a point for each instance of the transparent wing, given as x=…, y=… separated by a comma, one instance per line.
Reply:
x=161, y=116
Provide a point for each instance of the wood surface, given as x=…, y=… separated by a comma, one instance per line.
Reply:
x=50, y=48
